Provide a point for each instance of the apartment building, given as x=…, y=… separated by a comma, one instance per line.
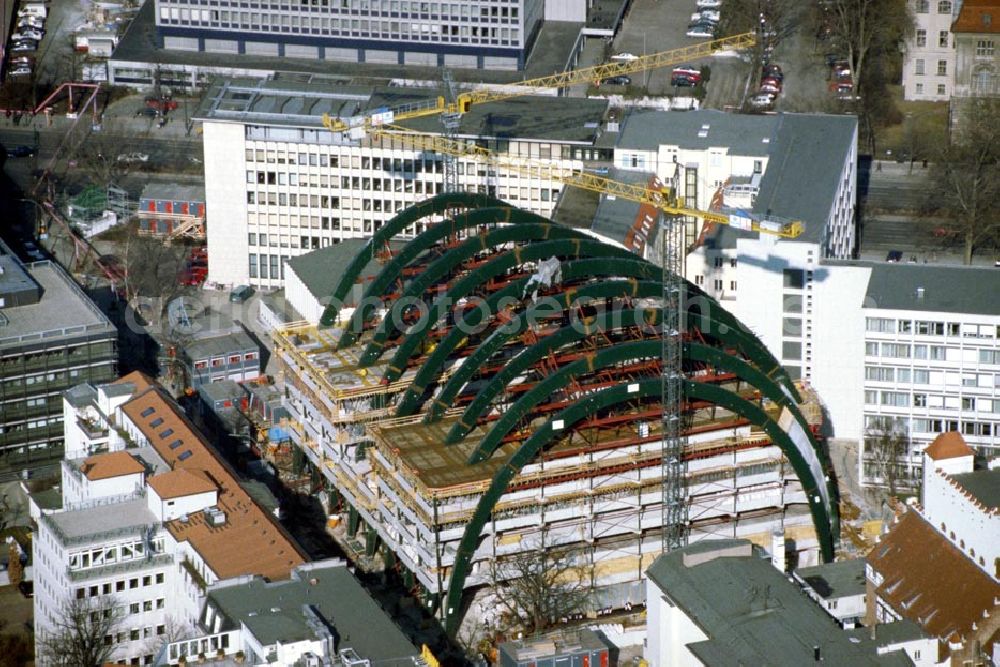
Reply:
x=150, y=518
x=483, y=34
x=279, y=184
x=929, y=53
x=52, y=336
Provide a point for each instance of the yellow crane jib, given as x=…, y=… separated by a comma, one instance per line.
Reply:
x=465, y=101
x=638, y=192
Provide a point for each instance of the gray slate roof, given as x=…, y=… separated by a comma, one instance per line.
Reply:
x=274, y=611
x=321, y=269
x=984, y=485
x=947, y=289
x=751, y=613
x=807, y=154
x=742, y=134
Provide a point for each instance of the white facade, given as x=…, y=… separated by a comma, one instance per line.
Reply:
x=669, y=631
x=929, y=53
x=279, y=192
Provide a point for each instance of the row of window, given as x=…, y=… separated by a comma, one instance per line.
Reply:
x=427, y=10
x=718, y=284
x=269, y=266
x=119, y=586
x=925, y=376
x=942, y=89
x=920, y=67
x=890, y=423
x=931, y=352
x=943, y=36
x=931, y=328
x=903, y=399
x=218, y=362
x=943, y=7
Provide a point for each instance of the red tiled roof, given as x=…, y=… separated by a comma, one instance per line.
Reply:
x=180, y=482
x=950, y=445
x=250, y=541
x=929, y=581
x=112, y=464
x=978, y=16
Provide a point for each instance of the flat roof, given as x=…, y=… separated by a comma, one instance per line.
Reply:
x=220, y=345
x=750, y=612
x=984, y=485
x=64, y=312
x=302, y=105
x=946, y=289
x=173, y=192
x=740, y=134
x=274, y=612
x=550, y=53
x=92, y=522
x=835, y=580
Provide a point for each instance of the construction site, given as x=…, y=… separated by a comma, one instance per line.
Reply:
x=496, y=388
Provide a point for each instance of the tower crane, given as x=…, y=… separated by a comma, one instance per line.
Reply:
x=464, y=101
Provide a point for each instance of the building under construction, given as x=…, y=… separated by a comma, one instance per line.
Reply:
x=493, y=388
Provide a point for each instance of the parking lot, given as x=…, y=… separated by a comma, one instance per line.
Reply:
x=659, y=25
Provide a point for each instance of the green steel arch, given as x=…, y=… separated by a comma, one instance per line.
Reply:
x=496, y=340
x=526, y=359
x=572, y=270
x=604, y=358
x=433, y=206
x=546, y=433
x=747, y=345
x=528, y=231
x=424, y=241
x=498, y=266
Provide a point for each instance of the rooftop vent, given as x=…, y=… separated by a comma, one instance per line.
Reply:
x=215, y=517
x=920, y=292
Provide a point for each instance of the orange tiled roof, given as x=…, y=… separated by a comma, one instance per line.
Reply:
x=250, y=541
x=180, y=482
x=112, y=464
x=950, y=445
x=929, y=581
x=978, y=16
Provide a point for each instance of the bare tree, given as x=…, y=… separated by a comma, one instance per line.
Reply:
x=868, y=28
x=537, y=587
x=153, y=268
x=772, y=20
x=81, y=634
x=966, y=177
x=886, y=450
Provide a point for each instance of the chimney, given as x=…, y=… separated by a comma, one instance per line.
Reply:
x=817, y=656
x=920, y=292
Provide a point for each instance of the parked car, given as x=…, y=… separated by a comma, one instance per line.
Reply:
x=20, y=71
x=772, y=81
x=625, y=56
x=706, y=4
x=147, y=112
x=240, y=294
x=701, y=30
x=772, y=72
x=163, y=104
x=31, y=22
x=770, y=88
x=620, y=80
x=689, y=71
x=133, y=157
x=20, y=151
x=27, y=33
x=894, y=256
x=706, y=15
x=22, y=60
x=683, y=81
x=23, y=45
x=762, y=100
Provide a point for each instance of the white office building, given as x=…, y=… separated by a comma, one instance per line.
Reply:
x=283, y=185
x=150, y=518
x=490, y=34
